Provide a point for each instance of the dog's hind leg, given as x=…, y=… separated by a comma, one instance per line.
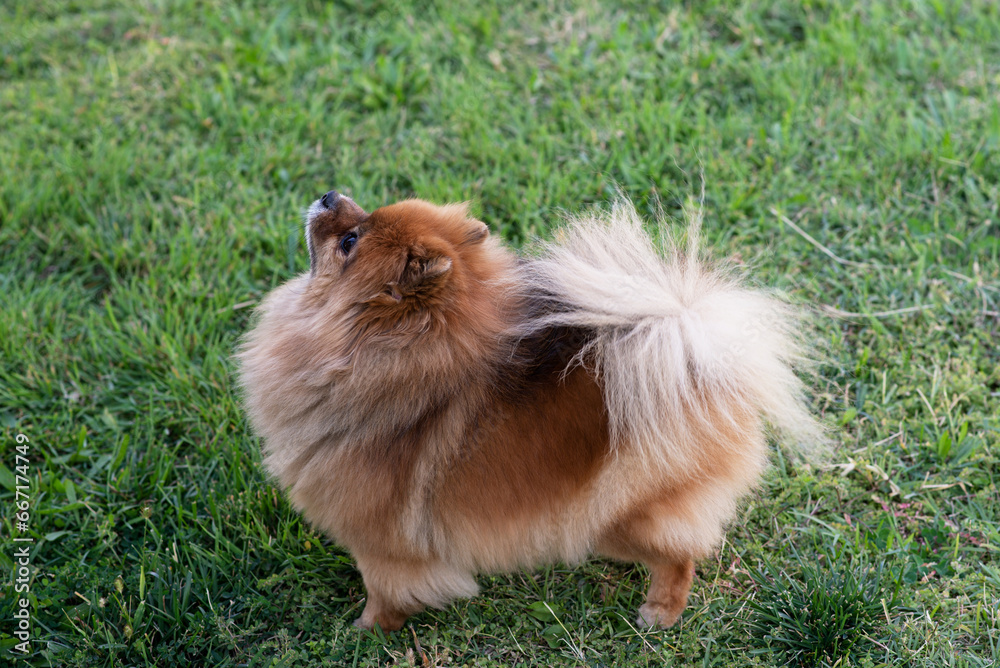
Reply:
x=668, y=547
x=669, y=585
x=670, y=577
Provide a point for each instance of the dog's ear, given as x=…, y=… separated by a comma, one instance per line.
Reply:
x=471, y=231
x=424, y=274
x=476, y=233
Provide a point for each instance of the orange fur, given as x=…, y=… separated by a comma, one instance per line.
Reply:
x=411, y=415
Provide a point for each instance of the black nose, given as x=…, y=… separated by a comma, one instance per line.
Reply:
x=330, y=199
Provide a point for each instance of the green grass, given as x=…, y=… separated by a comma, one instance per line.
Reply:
x=155, y=156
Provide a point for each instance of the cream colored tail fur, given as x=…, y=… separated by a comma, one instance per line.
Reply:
x=677, y=344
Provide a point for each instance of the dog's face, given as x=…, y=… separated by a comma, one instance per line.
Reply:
x=406, y=256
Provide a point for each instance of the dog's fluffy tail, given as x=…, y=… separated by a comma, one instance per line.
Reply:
x=680, y=347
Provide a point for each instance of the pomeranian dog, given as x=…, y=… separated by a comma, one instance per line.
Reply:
x=442, y=407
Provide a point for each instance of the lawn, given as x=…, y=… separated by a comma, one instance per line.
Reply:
x=155, y=157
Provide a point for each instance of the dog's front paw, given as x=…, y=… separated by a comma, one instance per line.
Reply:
x=388, y=620
x=656, y=614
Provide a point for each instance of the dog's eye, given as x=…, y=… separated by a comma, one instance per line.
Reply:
x=348, y=242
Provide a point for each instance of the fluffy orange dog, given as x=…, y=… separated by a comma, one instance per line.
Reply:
x=442, y=408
